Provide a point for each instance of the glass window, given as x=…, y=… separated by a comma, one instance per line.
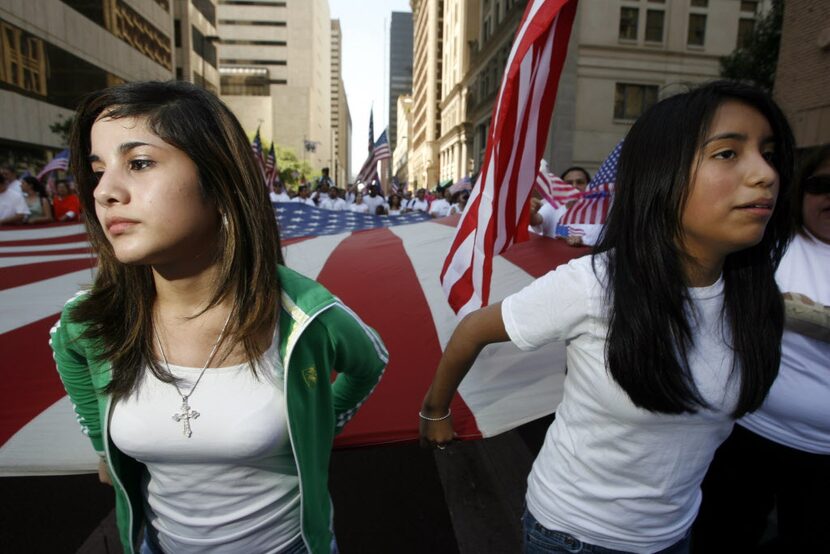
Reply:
x=654, y=25
x=745, y=29
x=628, y=23
x=749, y=6
x=630, y=100
x=697, y=29
x=700, y=3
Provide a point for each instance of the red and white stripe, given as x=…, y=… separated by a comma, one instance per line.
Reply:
x=592, y=209
x=41, y=268
x=553, y=189
x=497, y=214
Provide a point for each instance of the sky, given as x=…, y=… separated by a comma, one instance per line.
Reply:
x=365, y=28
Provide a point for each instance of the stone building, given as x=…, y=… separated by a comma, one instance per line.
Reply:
x=275, y=71
x=194, y=41
x=400, y=67
x=54, y=52
x=341, y=119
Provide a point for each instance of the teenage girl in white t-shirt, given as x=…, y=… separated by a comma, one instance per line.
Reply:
x=673, y=327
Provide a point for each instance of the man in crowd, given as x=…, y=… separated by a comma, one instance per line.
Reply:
x=333, y=201
x=374, y=199
x=441, y=207
x=419, y=203
x=9, y=173
x=303, y=197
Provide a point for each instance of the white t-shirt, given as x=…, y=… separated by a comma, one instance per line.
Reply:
x=373, y=202
x=550, y=218
x=12, y=203
x=359, y=208
x=439, y=208
x=417, y=205
x=610, y=473
x=233, y=485
x=306, y=201
x=337, y=204
x=279, y=196
x=796, y=412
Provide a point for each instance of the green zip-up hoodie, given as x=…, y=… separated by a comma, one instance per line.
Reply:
x=318, y=334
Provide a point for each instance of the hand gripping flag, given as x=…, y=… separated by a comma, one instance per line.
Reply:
x=592, y=208
x=497, y=214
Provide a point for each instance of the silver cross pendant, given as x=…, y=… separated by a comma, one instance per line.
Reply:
x=185, y=416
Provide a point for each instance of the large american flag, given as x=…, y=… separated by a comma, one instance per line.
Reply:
x=496, y=214
x=592, y=208
x=59, y=162
x=380, y=151
x=301, y=220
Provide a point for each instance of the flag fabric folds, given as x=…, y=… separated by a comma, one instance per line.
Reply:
x=59, y=162
x=496, y=214
x=592, y=208
x=256, y=148
x=553, y=189
x=380, y=151
x=386, y=275
x=271, y=169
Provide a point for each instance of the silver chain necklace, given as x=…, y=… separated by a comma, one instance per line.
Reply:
x=186, y=413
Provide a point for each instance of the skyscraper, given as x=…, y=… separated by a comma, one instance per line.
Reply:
x=400, y=67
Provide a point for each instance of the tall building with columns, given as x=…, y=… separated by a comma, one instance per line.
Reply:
x=460, y=28
x=426, y=92
x=341, y=119
x=194, y=42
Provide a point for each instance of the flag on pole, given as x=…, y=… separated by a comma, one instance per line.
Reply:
x=592, y=208
x=371, y=130
x=59, y=162
x=380, y=151
x=553, y=189
x=496, y=214
x=256, y=147
x=271, y=169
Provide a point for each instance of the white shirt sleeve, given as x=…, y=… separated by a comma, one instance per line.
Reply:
x=554, y=307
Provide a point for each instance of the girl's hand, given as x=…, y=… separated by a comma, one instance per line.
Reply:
x=103, y=472
x=436, y=434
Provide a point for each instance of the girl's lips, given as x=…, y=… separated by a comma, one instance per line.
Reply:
x=118, y=226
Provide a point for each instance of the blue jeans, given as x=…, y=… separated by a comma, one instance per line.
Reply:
x=540, y=540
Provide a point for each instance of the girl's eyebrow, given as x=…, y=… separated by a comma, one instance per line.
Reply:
x=122, y=149
x=737, y=136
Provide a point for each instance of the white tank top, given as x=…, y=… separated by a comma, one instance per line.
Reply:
x=233, y=485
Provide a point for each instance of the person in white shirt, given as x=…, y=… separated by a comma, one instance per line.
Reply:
x=395, y=205
x=544, y=217
x=779, y=455
x=359, y=206
x=458, y=207
x=13, y=207
x=350, y=194
x=280, y=196
x=374, y=199
x=10, y=174
x=441, y=206
x=333, y=201
x=671, y=326
x=419, y=203
x=303, y=197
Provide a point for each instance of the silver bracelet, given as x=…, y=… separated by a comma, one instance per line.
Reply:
x=442, y=418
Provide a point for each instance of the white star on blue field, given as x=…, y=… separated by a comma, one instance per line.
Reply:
x=299, y=220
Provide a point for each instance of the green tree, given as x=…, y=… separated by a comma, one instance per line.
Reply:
x=62, y=127
x=291, y=167
x=755, y=63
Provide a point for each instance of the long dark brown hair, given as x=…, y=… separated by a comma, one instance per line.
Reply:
x=649, y=331
x=118, y=311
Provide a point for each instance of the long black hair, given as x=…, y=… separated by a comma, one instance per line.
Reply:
x=649, y=333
